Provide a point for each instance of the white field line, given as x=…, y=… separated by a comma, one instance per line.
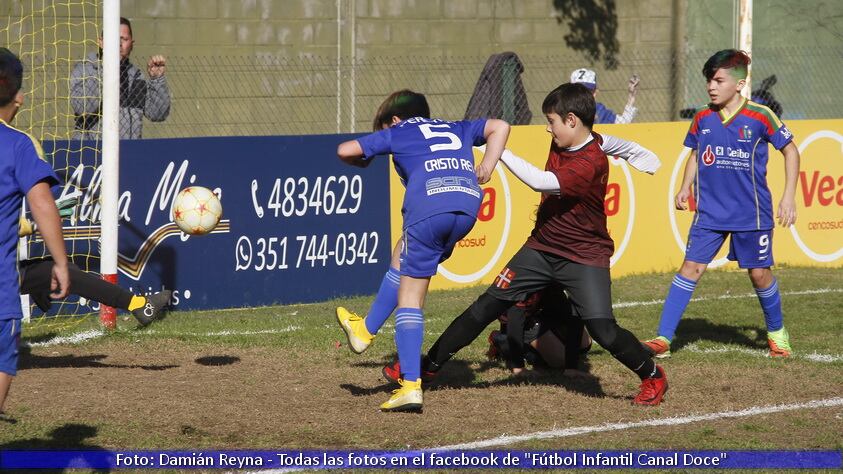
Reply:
x=632, y=304
x=97, y=333
x=606, y=427
x=289, y=328
x=94, y=333
x=672, y=421
x=72, y=339
x=723, y=348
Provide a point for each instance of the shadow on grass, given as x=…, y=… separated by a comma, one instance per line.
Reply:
x=693, y=330
x=217, y=360
x=459, y=374
x=70, y=436
x=39, y=338
x=28, y=360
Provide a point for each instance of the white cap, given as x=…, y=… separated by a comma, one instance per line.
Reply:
x=586, y=77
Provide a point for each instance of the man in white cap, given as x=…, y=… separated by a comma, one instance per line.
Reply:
x=588, y=78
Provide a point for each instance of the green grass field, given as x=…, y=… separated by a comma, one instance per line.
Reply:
x=282, y=377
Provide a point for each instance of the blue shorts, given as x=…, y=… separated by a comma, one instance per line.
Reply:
x=9, y=340
x=751, y=248
x=429, y=242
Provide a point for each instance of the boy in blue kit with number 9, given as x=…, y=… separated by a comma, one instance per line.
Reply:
x=23, y=171
x=435, y=161
x=728, y=166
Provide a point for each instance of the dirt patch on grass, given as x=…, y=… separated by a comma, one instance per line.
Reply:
x=168, y=394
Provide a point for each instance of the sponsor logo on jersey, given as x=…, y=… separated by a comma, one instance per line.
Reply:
x=705, y=131
x=708, y=157
x=745, y=134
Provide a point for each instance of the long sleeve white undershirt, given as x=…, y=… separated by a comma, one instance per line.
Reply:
x=539, y=180
x=628, y=114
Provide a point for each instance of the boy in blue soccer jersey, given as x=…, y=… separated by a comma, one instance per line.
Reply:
x=435, y=161
x=728, y=166
x=23, y=171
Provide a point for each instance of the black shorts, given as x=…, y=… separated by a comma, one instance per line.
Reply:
x=589, y=288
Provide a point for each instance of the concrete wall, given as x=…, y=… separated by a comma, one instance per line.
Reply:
x=452, y=38
x=308, y=83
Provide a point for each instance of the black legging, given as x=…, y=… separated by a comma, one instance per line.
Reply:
x=36, y=276
x=621, y=343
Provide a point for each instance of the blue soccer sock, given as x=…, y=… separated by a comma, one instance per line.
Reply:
x=385, y=301
x=677, y=300
x=771, y=303
x=409, y=332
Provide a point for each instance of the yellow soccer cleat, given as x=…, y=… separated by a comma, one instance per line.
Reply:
x=406, y=398
x=355, y=330
x=779, y=342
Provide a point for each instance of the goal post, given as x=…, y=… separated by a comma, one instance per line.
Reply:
x=745, y=40
x=53, y=38
x=109, y=193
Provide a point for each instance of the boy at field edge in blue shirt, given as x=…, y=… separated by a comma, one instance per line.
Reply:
x=728, y=166
x=23, y=171
x=435, y=161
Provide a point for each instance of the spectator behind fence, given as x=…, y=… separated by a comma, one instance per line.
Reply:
x=588, y=78
x=138, y=96
x=499, y=92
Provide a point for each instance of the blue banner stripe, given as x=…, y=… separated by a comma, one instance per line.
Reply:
x=314, y=459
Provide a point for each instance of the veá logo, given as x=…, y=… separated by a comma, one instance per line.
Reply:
x=819, y=227
x=619, y=205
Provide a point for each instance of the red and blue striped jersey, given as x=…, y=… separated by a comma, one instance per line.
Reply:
x=731, y=183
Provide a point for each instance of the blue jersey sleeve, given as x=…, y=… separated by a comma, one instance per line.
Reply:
x=693, y=130
x=781, y=137
x=30, y=166
x=477, y=129
x=378, y=143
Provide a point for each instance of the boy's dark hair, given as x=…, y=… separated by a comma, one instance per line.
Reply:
x=737, y=61
x=571, y=98
x=11, y=76
x=125, y=21
x=403, y=104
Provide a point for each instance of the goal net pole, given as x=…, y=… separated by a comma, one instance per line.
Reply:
x=110, y=149
x=745, y=40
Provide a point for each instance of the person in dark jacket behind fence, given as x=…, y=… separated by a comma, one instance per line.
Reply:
x=499, y=92
x=139, y=96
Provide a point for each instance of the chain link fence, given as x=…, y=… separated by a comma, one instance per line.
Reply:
x=272, y=96
x=267, y=95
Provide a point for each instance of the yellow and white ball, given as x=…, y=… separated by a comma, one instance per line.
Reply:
x=197, y=210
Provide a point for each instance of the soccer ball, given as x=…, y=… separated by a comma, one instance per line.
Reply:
x=197, y=210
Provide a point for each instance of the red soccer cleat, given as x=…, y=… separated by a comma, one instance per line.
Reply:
x=392, y=372
x=652, y=389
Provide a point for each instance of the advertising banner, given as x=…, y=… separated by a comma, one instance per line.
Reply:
x=298, y=225
x=649, y=233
